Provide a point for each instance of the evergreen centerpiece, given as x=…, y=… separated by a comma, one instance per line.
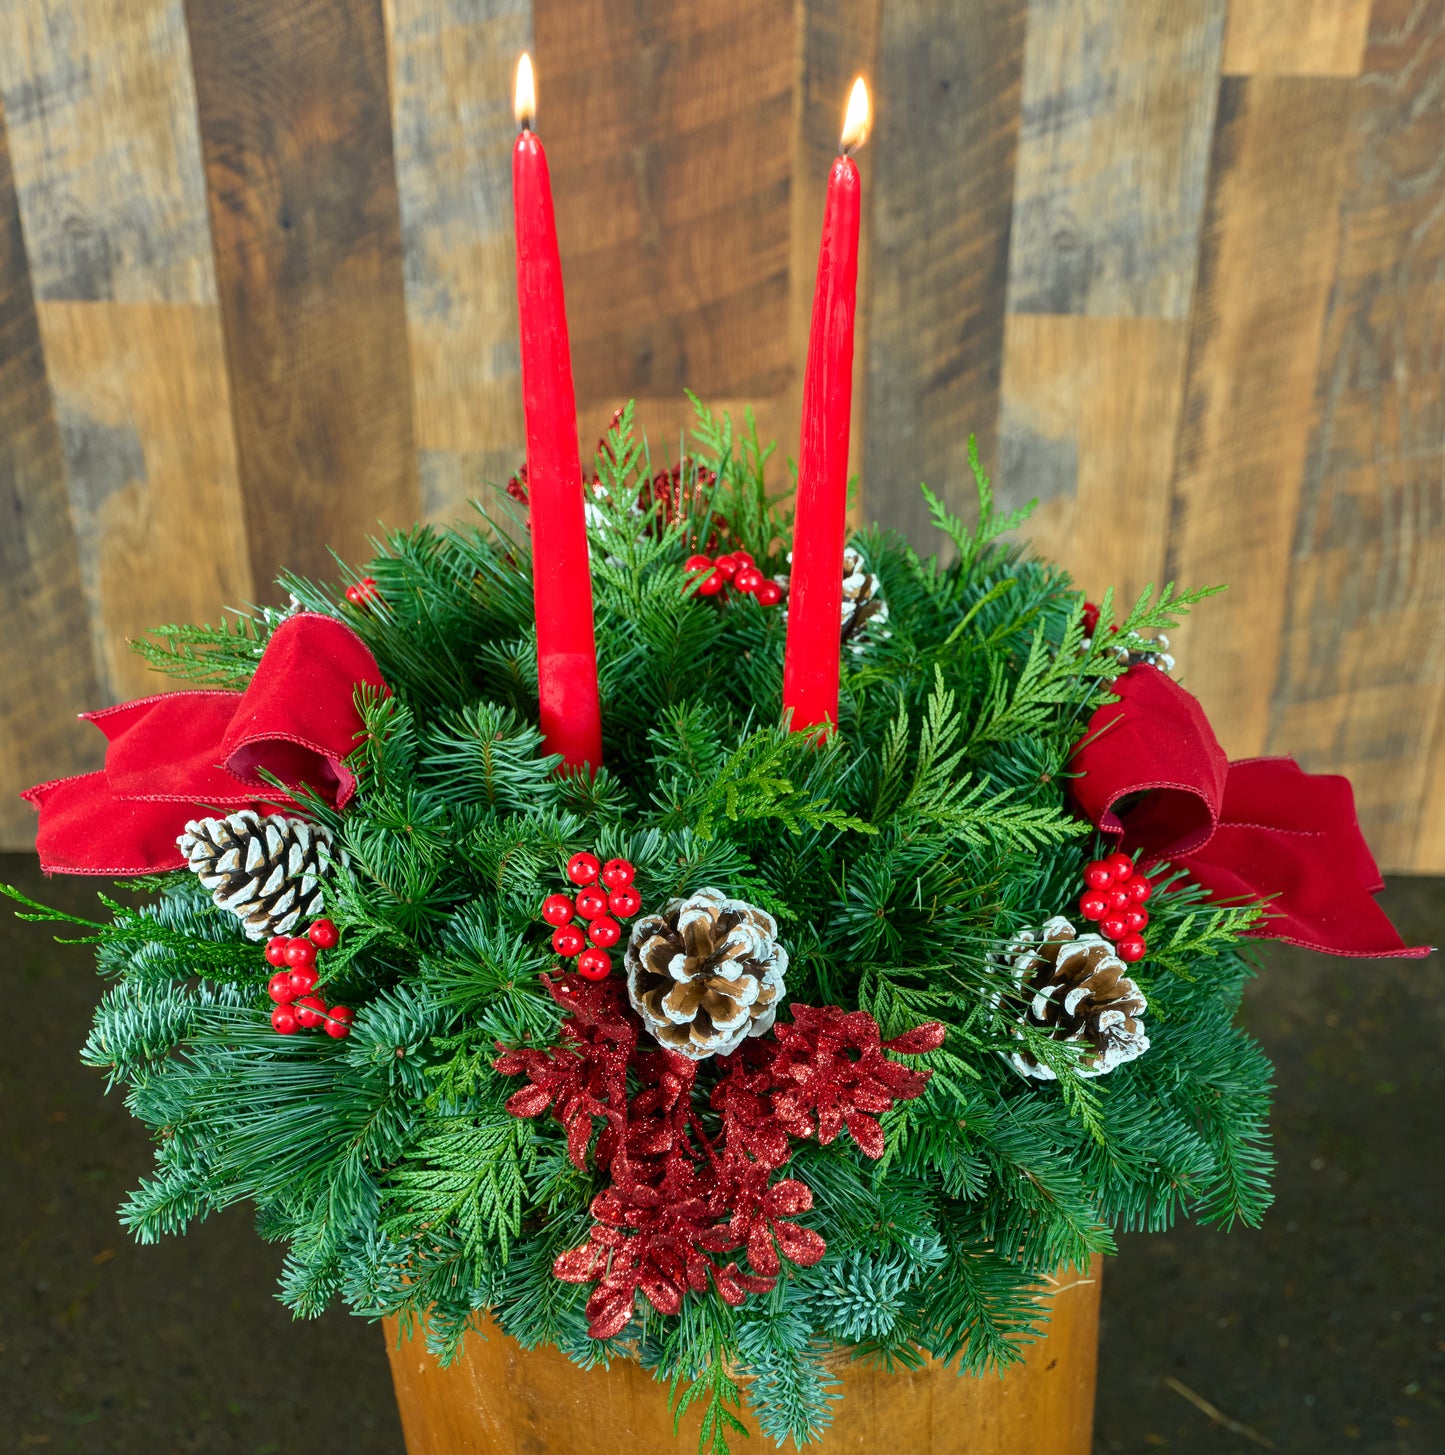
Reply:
x=749, y=1045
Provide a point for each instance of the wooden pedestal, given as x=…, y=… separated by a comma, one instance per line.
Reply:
x=501, y=1399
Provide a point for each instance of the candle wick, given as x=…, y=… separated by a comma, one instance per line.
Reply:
x=526, y=123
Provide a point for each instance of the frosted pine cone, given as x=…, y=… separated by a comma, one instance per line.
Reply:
x=265, y=869
x=706, y=973
x=1080, y=992
x=863, y=603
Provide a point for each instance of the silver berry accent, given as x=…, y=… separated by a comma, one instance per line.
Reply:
x=1146, y=652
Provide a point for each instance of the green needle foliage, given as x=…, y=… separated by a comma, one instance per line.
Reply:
x=896, y=856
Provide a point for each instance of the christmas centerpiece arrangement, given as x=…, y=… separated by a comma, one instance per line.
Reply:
x=636, y=919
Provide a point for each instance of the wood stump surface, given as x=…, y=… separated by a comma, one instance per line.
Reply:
x=501, y=1399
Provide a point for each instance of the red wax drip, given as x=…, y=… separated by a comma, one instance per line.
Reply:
x=571, y=714
x=815, y=597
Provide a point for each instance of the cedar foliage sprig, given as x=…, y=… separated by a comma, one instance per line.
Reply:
x=897, y=857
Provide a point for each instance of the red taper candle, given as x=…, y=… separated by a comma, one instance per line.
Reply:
x=815, y=593
x=571, y=714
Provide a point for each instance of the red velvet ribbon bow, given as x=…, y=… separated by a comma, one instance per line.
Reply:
x=1153, y=776
x=177, y=755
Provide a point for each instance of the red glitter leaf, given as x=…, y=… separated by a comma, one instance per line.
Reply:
x=577, y=1265
x=927, y=1037
x=608, y=1314
x=802, y=1245
x=662, y=1294
x=761, y=1253
x=788, y=1198
x=830, y=1123
x=733, y=1285
x=530, y=1101
x=867, y=1134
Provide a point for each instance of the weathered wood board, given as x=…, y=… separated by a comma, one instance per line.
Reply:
x=1361, y=682
x=1118, y=105
x=1268, y=258
x=295, y=127
x=102, y=117
x=1090, y=411
x=141, y=401
x=1296, y=37
x=945, y=144
x=1175, y=265
x=132, y=496
x=667, y=129
x=451, y=66
x=1118, y=110
x=50, y=670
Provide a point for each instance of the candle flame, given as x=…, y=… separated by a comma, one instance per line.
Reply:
x=524, y=95
x=859, y=117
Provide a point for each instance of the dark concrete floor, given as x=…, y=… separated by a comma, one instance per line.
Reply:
x=1321, y=1332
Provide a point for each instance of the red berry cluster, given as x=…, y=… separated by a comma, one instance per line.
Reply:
x=291, y=987
x=364, y=592
x=1115, y=897
x=605, y=890
x=737, y=570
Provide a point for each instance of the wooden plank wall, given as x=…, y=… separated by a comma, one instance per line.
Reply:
x=1177, y=266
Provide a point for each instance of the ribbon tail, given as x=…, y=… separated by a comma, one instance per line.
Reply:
x=1293, y=838
x=87, y=829
x=1359, y=928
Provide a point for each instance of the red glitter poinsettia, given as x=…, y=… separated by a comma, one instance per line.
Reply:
x=761, y=1222
x=585, y=1080
x=831, y=1073
x=651, y=1239
x=679, y=1196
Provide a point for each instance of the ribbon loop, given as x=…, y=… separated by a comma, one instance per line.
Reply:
x=173, y=756
x=1151, y=774
x=1153, y=771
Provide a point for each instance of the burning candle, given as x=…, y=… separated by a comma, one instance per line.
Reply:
x=570, y=712
x=815, y=595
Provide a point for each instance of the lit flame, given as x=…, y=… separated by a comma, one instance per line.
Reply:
x=524, y=94
x=859, y=117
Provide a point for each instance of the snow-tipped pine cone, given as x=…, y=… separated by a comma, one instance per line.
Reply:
x=706, y=973
x=863, y=603
x=1079, y=991
x=265, y=869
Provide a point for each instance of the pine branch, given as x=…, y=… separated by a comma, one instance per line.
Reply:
x=789, y=1387
x=207, y=656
